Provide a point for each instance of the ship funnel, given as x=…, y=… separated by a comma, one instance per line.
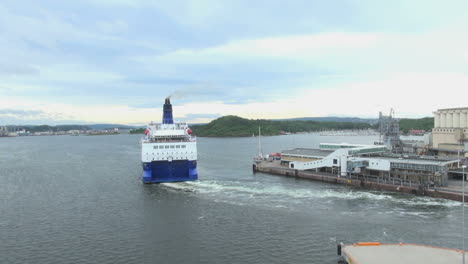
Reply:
x=167, y=112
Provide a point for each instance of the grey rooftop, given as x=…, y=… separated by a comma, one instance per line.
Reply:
x=307, y=152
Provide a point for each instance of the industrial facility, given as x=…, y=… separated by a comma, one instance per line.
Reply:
x=347, y=160
x=432, y=161
x=3, y=131
x=450, y=133
x=389, y=129
x=432, y=165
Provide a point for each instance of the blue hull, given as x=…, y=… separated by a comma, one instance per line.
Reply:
x=169, y=171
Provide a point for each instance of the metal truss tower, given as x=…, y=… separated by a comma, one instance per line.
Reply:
x=390, y=132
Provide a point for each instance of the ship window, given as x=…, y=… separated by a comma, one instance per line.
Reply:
x=183, y=146
x=155, y=147
x=161, y=147
x=166, y=147
x=172, y=146
x=178, y=146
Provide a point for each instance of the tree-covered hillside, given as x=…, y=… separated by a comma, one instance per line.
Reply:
x=137, y=131
x=234, y=126
x=407, y=124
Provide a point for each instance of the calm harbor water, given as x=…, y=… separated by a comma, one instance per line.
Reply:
x=79, y=199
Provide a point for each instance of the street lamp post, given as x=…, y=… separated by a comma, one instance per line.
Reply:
x=463, y=214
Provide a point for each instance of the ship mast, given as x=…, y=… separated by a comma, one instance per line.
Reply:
x=260, y=152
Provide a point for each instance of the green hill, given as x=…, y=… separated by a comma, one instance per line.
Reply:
x=234, y=126
x=138, y=131
x=407, y=124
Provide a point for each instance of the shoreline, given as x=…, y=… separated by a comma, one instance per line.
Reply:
x=276, y=169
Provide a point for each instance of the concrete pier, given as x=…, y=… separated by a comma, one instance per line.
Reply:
x=374, y=252
x=276, y=169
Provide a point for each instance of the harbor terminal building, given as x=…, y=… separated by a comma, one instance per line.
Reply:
x=347, y=160
x=433, y=160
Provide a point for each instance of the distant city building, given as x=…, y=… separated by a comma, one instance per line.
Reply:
x=23, y=132
x=450, y=133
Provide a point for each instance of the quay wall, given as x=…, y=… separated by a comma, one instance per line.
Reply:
x=417, y=190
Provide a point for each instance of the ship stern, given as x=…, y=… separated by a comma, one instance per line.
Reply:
x=169, y=171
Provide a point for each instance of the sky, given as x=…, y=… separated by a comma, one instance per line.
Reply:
x=114, y=61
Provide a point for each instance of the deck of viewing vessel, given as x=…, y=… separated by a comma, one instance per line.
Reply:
x=371, y=253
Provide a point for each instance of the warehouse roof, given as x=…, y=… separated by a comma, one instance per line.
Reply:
x=307, y=152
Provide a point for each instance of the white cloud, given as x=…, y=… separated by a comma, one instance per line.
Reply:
x=311, y=73
x=410, y=95
x=299, y=46
x=302, y=47
x=338, y=50
x=77, y=73
x=45, y=28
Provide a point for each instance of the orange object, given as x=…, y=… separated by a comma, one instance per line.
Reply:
x=368, y=244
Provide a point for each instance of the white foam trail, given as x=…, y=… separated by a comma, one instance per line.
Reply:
x=178, y=186
x=234, y=188
x=279, y=190
x=418, y=214
x=427, y=201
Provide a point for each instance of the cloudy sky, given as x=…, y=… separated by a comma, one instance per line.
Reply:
x=115, y=61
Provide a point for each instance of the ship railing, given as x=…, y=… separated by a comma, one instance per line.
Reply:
x=172, y=140
x=174, y=126
x=163, y=137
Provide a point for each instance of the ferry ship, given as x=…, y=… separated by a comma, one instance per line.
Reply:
x=168, y=150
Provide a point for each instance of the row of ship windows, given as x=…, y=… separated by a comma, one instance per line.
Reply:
x=170, y=146
x=162, y=153
x=176, y=158
x=181, y=158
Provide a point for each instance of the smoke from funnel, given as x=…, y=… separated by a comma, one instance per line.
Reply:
x=178, y=94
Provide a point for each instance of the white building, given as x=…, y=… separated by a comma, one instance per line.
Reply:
x=369, y=160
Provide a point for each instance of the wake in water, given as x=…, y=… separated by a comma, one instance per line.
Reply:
x=182, y=186
x=278, y=192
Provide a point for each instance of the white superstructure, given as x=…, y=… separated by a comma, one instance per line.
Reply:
x=168, y=142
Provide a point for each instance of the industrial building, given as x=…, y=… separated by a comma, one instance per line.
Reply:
x=389, y=129
x=393, y=159
x=371, y=161
x=450, y=133
x=3, y=131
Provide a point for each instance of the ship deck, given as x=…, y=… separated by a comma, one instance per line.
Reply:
x=400, y=253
